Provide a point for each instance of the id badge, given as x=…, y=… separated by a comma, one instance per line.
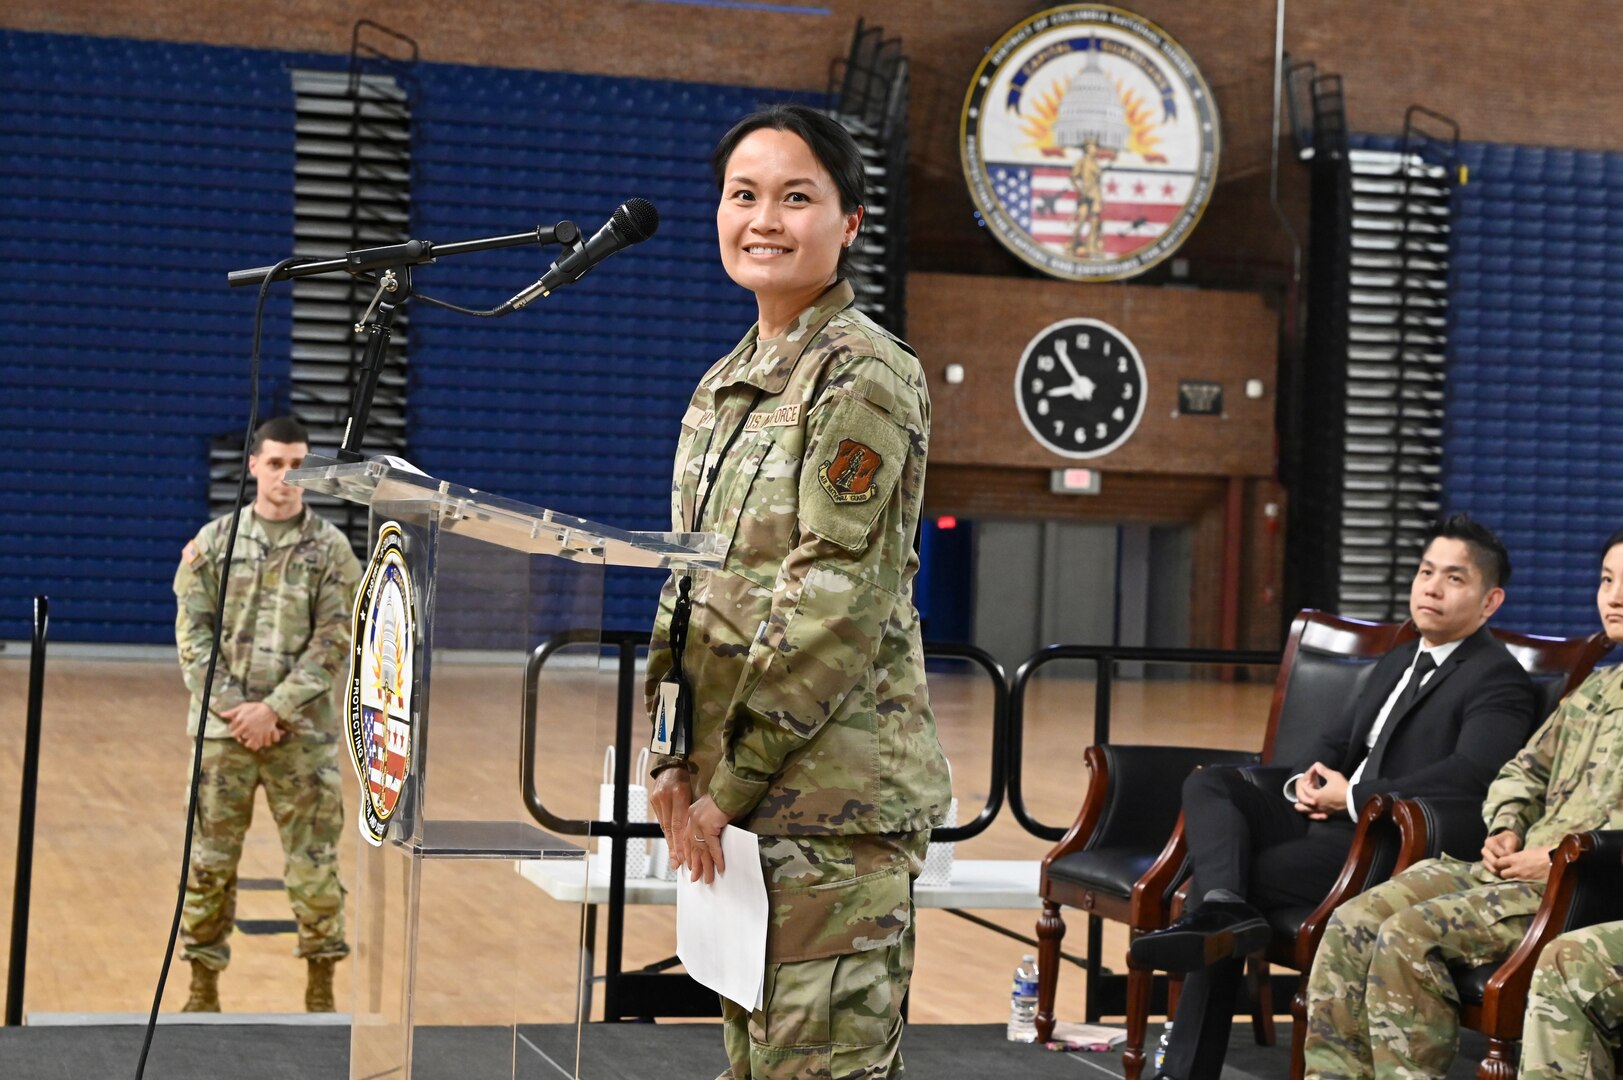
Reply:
x=665, y=716
x=673, y=717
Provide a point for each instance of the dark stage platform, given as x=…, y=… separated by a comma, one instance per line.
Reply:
x=292, y=1051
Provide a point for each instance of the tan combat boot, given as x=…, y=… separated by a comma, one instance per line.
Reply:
x=318, y=990
x=205, y=995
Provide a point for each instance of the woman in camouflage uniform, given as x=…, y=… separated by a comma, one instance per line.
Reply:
x=804, y=449
x=1575, y=1006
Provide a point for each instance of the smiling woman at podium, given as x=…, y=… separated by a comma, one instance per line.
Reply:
x=788, y=685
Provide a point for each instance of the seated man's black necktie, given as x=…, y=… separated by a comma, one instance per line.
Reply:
x=1424, y=665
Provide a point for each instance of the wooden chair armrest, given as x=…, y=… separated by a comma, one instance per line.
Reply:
x=1419, y=821
x=1134, y=794
x=1369, y=862
x=1505, y=996
x=1150, y=903
x=1093, y=808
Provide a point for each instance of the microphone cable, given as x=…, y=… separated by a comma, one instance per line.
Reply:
x=214, y=657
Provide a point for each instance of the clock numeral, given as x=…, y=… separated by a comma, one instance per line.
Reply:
x=1082, y=341
x=1059, y=427
x=1121, y=365
x=1127, y=391
x=1107, y=346
x=1045, y=363
x=1042, y=407
x=1081, y=435
x=1036, y=386
x=1100, y=431
x=1117, y=415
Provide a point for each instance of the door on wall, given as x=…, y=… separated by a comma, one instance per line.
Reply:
x=1039, y=583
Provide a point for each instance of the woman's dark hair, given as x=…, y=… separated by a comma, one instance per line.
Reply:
x=1612, y=542
x=1487, y=550
x=830, y=143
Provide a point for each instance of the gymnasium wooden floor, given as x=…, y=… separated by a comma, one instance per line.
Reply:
x=110, y=822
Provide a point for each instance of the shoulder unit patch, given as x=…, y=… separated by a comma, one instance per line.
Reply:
x=849, y=475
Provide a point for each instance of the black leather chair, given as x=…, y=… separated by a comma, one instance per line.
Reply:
x=1124, y=857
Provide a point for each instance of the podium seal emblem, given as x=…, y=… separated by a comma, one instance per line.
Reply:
x=382, y=682
x=1090, y=142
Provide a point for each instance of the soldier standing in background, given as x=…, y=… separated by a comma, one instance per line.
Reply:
x=272, y=717
x=805, y=448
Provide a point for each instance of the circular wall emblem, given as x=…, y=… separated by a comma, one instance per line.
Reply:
x=1090, y=142
x=382, y=682
x=1080, y=388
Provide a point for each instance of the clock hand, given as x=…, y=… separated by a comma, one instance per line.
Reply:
x=1062, y=352
x=1063, y=391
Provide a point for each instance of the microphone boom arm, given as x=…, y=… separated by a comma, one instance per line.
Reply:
x=410, y=253
x=394, y=288
x=633, y=221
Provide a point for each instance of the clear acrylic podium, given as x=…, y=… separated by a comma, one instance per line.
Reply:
x=440, y=934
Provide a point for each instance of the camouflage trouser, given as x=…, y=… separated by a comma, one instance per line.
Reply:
x=306, y=799
x=1575, y=1006
x=837, y=1018
x=1380, y=999
x=839, y=958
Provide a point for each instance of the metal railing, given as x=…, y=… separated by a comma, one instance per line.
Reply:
x=652, y=992
x=1104, y=658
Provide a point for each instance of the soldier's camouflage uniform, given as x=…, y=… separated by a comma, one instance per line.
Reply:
x=285, y=643
x=812, y=724
x=1381, y=1001
x=1575, y=1006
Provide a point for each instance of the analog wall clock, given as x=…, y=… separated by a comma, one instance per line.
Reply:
x=1080, y=388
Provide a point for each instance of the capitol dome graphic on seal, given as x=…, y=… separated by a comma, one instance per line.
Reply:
x=1090, y=142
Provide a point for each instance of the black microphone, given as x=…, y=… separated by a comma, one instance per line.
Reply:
x=634, y=221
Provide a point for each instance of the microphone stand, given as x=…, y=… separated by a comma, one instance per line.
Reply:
x=394, y=289
x=377, y=324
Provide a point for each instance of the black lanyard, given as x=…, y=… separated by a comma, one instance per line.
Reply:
x=684, y=606
x=674, y=727
x=709, y=476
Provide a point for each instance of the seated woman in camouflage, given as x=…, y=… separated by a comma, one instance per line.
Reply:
x=1381, y=1001
x=1575, y=1006
x=804, y=448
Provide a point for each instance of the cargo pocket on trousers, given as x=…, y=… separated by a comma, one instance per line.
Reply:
x=795, y=1004
x=865, y=997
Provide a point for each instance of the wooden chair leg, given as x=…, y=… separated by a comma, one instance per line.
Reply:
x=1050, y=933
x=1261, y=985
x=1140, y=983
x=1500, y=1061
x=1299, y=1028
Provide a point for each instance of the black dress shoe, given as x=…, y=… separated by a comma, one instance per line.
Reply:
x=1213, y=931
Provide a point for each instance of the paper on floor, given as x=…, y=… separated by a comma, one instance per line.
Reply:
x=721, y=927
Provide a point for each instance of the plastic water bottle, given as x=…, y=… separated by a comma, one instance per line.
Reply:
x=1023, y=1002
x=1161, y=1047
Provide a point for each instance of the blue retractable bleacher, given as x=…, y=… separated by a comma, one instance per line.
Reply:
x=1531, y=379
x=134, y=185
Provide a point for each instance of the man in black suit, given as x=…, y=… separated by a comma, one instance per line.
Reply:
x=1437, y=719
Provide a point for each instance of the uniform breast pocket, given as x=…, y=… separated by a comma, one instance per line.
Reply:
x=760, y=507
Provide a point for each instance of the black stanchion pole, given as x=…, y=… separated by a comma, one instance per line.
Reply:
x=18, y=963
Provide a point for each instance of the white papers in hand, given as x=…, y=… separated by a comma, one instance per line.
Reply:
x=721, y=927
